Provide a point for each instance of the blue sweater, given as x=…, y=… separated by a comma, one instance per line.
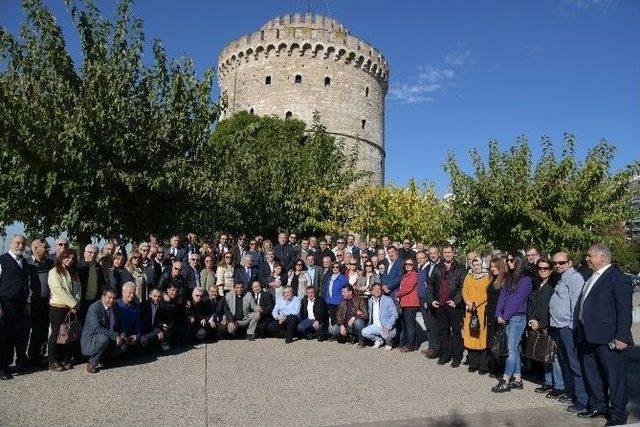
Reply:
x=129, y=319
x=514, y=302
x=336, y=295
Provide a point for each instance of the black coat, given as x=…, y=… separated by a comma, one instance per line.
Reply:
x=286, y=254
x=216, y=308
x=455, y=276
x=320, y=310
x=162, y=316
x=538, y=304
x=83, y=273
x=266, y=302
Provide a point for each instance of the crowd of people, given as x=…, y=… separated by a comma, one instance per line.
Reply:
x=363, y=292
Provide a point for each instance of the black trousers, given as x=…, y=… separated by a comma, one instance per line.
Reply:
x=431, y=325
x=58, y=353
x=478, y=359
x=605, y=372
x=263, y=323
x=450, y=332
x=15, y=332
x=333, y=312
x=39, y=328
x=408, y=338
x=288, y=327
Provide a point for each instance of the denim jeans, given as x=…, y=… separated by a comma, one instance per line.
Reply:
x=515, y=328
x=574, y=382
x=374, y=333
x=354, y=330
x=553, y=374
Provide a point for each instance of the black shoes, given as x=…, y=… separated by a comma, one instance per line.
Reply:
x=516, y=385
x=444, y=361
x=250, y=337
x=471, y=369
x=5, y=375
x=555, y=393
x=591, y=414
x=455, y=363
x=543, y=388
x=501, y=387
x=577, y=409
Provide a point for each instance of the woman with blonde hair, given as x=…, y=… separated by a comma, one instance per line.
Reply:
x=474, y=293
x=134, y=267
x=224, y=274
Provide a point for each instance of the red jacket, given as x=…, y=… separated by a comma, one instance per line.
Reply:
x=408, y=291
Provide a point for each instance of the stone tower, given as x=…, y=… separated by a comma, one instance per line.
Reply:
x=296, y=64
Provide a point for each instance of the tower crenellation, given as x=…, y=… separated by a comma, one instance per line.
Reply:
x=298, y=63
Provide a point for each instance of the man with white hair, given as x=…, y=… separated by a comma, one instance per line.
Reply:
x=191, y=271
x=92, y=280
x=604, y=335
x=147, y=263
x=41, y=264
x=245, y=272
x=128, y=311
x=14, y=307
x=61, y=244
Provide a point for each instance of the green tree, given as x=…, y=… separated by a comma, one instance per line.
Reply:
x=107, y=147
x=276, y=176
x=558, y=203
x=412, y=211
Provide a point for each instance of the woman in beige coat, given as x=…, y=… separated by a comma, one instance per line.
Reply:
x=224, y=274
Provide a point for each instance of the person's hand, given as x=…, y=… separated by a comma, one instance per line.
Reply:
x=451, y=304
x=386, y=289
x=316, y=325
x=231, y=327
x=119, y=340
x=436, y=304
x=501, y=321
x=534, y=324
x=620, y=345
x=191, y=319
x=160, y=335
x=203, y=322
x=469, y=307
x=385, y=331
x=350, y=323
x=281, y=318
x=132, y=339
x=343, y=330
x=426, y=305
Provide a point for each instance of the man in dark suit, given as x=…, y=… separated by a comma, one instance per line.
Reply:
x=101, y=332
x=192, y=244
x=92, y=280
x=155, y=326
x=323, y=251
x=393, y=273
x=314, y=271
x=285, y=252
x=191, y=271
x=314, y=316
x=245, y=273
x=264, y=302
x=239, y=250
x=175, y=251
x=352, y=248
x=604, y=334
x=41, y=264
x=425, y=271
x=265, y=270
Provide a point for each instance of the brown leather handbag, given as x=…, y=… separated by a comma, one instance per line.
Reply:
x=540, y=346
x=69, y=330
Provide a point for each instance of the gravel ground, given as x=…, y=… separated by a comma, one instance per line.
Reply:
x=269, y=383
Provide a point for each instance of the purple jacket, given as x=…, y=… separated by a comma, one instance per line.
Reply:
x=510, y=303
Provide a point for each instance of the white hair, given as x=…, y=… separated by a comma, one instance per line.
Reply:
x=603, y=250
x=129, y=285
x=91, y=246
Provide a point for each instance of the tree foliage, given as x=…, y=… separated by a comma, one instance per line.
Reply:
x=274, y=175
x=558, y=203
x=106, y=147
x=414, y=211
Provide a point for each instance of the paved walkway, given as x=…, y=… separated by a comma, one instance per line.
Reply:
x=269, y=383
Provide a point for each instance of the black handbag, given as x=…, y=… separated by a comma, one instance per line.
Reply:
x=500, y=347
x=474, y=321
x=70, y=330
x=540, y=346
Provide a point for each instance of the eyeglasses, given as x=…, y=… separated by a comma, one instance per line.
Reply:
x=544, y=268
x=227, y=257
x=352, y=263
x=510, y=259
x=341, y=242
x=177, y=269
x=369, y=265
x=336, y=266
x=63, y=244
x=559, y=262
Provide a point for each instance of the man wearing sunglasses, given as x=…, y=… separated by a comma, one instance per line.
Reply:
x=561, y=310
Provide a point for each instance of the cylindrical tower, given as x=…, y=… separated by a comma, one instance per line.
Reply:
x=297, y=64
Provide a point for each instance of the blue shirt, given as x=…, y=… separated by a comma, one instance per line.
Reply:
x=129, y=320
x=286, y=307
x=566, y=296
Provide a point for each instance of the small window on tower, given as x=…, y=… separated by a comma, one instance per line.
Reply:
x=364, y=122
x=366, y=91
x=327, y=81
x=267, y=80
x=251, y=111
x=298, y=78
x=288, y=115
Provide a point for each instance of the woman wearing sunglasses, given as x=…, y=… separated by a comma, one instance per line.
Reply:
x=224, y=274
x=368, y=278
x=511, y=312
x=408, y=297
x=538, y=320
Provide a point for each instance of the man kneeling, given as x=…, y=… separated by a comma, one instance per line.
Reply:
x=314, y=316
x=100, y=332
x=382, y=318
x=352, y=313
x=239, y=313
x=199, y=321
x=286, y=315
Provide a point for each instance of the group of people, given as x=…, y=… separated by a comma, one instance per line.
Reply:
x=363, y=292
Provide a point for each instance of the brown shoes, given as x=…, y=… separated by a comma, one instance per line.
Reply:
x=91, y=369
x=405, y=350
x=56, y=367
x=429, y=353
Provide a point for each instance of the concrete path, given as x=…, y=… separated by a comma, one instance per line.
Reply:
x=269, y=383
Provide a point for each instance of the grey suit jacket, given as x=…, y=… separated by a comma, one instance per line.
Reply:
x=96, y=328
x=248, y=304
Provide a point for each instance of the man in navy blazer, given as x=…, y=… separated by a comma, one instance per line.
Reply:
x=245, y=273
x=393, y=274
x=604, y=332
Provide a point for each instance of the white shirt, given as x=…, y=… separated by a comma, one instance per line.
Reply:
x=310, y=314
x=588, y=286
x=390, y=265
x=375, y=312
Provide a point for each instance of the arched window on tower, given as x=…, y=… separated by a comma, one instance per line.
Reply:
x=364, y=122
x=327, y=81
x=298, y=78
x=366, y=91
x=288, y=115
x=267, y=80
x=251, y=111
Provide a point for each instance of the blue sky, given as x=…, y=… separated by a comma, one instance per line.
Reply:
x=462, y=72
